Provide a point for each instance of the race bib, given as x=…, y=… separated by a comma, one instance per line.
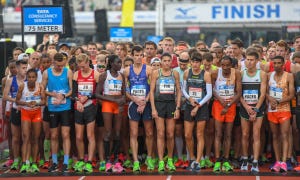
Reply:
x=250, y=96
x=115, y=87
x=53, y=99
x=166, y=86
x=276, y=93
x=226, y=91
x=195, y=93
x=138, y=91
x=37, y=99
x=85, y=88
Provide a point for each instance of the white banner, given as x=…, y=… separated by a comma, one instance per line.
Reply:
x=232, y=12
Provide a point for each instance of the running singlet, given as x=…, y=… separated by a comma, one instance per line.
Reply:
x=29, y=96
x=243, y=66
x=86, y=87
x=286, y=67
x=196, y=86
x=112, y=85
x=279, y=90
x=139, y=86
x=165, y=87
x=251, y=88
x=225, y=86
x=14, y=89
x=58, y=84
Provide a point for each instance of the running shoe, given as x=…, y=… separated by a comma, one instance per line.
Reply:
x=202, y=164
x=34, y=168
x=8, y=163
x=196, y=167
x=121, y=157
x=170, y=165
x=179, y=163
x=235, y=163
x=94, y=163
x=297, y=168
x=208, y=163
x=244, y=166
x=136, y=166
x=150, y=164
x=254, y=167
x=46, y=165
x=283, y=167
x=25, y=168
x=191, y=165
x=102, y=166
x=70, y=163
x=108, y=167
x=127, y=163
x=41, y=163
x=65, y=168
x=53, y=168
x=15, y=165
x=185, y=164
x=289, y=165
x=88, y=167
x=118, y=168
x=79, y=165
x=227, y=167
x=161, y=166
x=217, y=167
x=276, y=167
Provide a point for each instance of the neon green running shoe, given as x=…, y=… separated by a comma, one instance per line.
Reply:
x=136, y=166
x=217, y=167
x=208, y=163
x=202, y=164
x=41, y=163
x=70, y=163
x=127, y=163
x=150, y=164
x=227, y=167
x=15, y=165
x=25, y=168
x=88, y=168
x=79, y=166
x=170, y=165
x=161, y=166
x=34, y=168
x=102, y=166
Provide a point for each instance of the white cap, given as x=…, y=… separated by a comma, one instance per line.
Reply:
x=155, y=60
x=22, y=56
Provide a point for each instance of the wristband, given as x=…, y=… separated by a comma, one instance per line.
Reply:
x=177, y=108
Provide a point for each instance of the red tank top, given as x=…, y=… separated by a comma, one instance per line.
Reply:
x=286, y=66
x=174, y=63
x=86, y=87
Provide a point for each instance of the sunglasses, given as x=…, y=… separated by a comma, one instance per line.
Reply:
x=101, y=66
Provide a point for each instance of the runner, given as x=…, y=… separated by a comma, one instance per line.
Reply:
x=197, y=89
x=84, y=86
x=227, y=92
x=254, y=84
x=137, y=77
x=112, y=84
x=279, y=94
x=165, y=108
x=30, y=96
x=58, y=83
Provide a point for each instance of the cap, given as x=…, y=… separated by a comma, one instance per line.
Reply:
x=29, y=51
x=155, y=60
x=64, y=44
x=22, y=56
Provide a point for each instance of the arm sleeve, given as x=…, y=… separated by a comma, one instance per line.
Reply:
x=185, y=94
x=74, y=89
x=208, y=94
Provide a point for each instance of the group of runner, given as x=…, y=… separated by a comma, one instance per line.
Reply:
x=95, y=104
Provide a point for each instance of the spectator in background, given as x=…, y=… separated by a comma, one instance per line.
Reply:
x=111, y=47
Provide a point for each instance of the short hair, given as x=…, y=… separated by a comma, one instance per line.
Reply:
x=166, y=55
x=192, y=51
x=296, y=54
x=227, y=58
x=200, y=43
x=279, y=57
x=150, y=43
x=252, y=53
x=18, y=48
x=82, y=57
x=207, y=56
x=58, y=57
x=46, y=55
x=296, y=37
x=136, y=48
x=32, y=70
x=196, y=57
x=258, y=47
x=92, y=44
x=169, y=39
x=128, y=59
x=238, y=42
x=282, y=43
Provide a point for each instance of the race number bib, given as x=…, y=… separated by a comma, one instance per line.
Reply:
x=53, y=99
x=166, y=86
x=138, y=91
x=85, y=88
x=276, y=93
x=226, y=91
x=37, y=99
x=195, y=93
x=250, y=96
x=115, y=87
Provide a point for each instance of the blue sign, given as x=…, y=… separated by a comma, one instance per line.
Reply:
x=120, y=34
x=43, y=19
x=155, y=39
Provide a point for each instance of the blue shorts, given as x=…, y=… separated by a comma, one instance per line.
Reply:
x=135, y=116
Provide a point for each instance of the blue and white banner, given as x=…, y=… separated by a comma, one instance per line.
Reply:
x=121, y=34
x=42, y=19
x=233, y=12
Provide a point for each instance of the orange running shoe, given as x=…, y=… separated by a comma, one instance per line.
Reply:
x=179, y=163
x=46, y=165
